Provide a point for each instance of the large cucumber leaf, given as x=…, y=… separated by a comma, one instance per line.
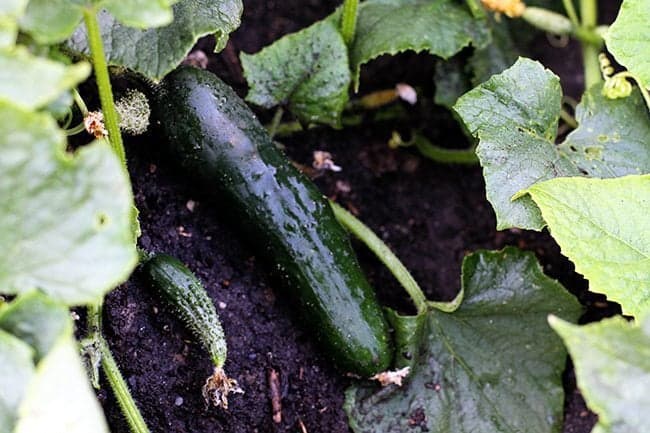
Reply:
x=603, y=226
x=628, y=40
x=156, y=51
x=612, y=365
x=441, y=27
x=43, y=386
x=515, y=116
x=308, y=71
x=66, y=221
x=493, y=365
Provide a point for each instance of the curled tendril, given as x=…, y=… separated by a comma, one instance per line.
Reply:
x=617, y=86
x=606, y=67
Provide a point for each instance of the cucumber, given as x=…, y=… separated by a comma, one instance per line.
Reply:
x=188, y=297
x=213, y=135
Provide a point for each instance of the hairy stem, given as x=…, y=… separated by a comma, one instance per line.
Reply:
x=383, y=253
x=112, y=372
x=349, y=20
x=103, y=82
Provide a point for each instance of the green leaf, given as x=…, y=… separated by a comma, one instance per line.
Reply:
x=65, y=225
x=16, y=369
x=441, y=27
x=10, y=12
x=141, y=13
x=458, y=75
x=53, y=21
x=155, y=52
x=612, y=364
x=627, y=38
x=32, y=82
x=37, y=320
x=50, y=393
x=492, y=366
x=602, y=225
x=59, y=397
x=515, y=116
x=307, y=70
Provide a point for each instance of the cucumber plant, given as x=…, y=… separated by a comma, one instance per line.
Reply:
x=490, y=346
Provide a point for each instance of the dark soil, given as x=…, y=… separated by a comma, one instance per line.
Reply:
x=430, y=214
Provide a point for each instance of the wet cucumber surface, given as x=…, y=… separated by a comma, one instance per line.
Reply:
x=216, y=139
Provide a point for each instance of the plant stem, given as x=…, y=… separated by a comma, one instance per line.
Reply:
x=568, y=119
x=275, y=122
x=349, y=20
x=80, y=102
x=75, y=129
x=571, y=12
x=383, y=253
x=441, y=154
x=589, y=14
x=103, y=82
x=112, y=372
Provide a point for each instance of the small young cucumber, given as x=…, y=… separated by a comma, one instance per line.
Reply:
x=211, y=133
x=186, y=294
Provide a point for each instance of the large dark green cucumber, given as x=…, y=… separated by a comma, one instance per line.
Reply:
x=214, y=136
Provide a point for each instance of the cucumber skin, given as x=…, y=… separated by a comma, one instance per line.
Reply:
x=213, y=135
x=186, y=294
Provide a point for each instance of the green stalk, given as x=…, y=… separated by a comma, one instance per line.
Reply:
x=383, y=253
x=446, y=156
x=78, y=100
x=103, y=82
x=568, y=119
x=275, y=122
x=112, y=372
x=589, y=14
x=349, y=20
x=571, y=12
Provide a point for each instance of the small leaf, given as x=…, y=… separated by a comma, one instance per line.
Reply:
x=65, y=225
x=51, y=392
x=32, y=82
x=602, y=225
x=10, y=13
x=51, y=21
x=515, y=116
x=442, y=28
x=492, y=366
x=307, y=70
x=16, y=370
x=141, y=13
x=37, y=320
x=59, y=397
x=612, y=364
x=155, y=52
x=627, y=38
